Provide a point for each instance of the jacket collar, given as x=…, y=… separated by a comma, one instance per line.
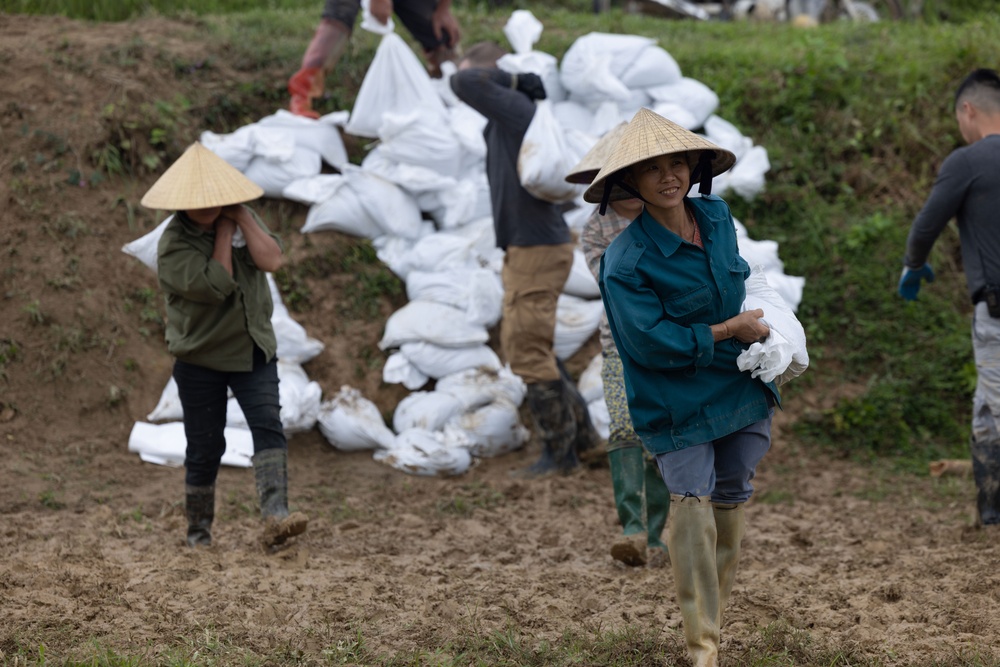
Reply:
x=706, y=216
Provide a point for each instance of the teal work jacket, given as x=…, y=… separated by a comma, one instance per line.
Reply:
x=213, y=319
x=661, y=295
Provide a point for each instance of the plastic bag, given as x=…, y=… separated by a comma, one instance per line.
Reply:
x=546, y=156
x=783, y=355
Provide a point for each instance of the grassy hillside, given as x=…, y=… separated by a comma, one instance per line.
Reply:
x=856, y=119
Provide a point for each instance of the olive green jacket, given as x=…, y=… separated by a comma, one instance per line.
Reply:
x=213, y=319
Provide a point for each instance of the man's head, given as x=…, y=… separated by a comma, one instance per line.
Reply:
x=977, y=105
x=482, y=55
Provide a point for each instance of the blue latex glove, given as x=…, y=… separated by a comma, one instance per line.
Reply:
x=909, y=282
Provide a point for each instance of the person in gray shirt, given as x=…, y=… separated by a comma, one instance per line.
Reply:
x=538, y=256
x=968, y=188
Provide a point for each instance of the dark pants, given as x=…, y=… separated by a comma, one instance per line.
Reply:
x=414, y=14
x=203, y=394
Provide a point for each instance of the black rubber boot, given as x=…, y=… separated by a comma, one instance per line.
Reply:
x=270, y=469
x=199, y=505
x=556, y=428
x=986, y=471
x=587, y=442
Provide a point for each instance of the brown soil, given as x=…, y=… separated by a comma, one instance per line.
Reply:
x=91, y=538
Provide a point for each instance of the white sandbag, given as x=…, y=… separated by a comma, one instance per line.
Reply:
x=483, y=235
x=571, y=114
x=580, y=281
x=609, y=115
x=428, y=410
x=522, y=30
x=783, y=355
x=591, y=67
x=442, y=251
x=320, y=135
x=236, y=148
x=417, y=136
x=577, y=218
x=432, y=323
x=274, y=175
x=678, y=114
x=726, y=135
x=546, y=156
x=691, y=94
x=426, y=453
x=372, y=24
x=576, y=321
x=545, y=65
x=452, y=207
x=350, y=422
x=479, y=292
x=746, y=178
x=394, y=210
x=590, y=385
x=166, y=444
x=144, y=248
x=652, y=67
x=341, y=212
x=168, y=408
x=476, y=387
x=396, y=82
x=294, y=344
x=394, y=252
x=788, y=287
x=436, y=361
x=399, y=370
x=600, y=417
x=493, y=429
x=467, y=125
x=760, y=253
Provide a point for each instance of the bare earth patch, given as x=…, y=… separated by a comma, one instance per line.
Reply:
x=91, y=538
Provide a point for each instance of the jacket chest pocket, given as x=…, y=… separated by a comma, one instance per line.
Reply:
x=684, y=308
x=739, y=269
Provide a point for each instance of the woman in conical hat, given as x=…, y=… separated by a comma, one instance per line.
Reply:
x=211, y=263
x=673, y=284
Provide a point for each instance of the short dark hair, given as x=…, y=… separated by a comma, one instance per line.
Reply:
x=982, y=89
x=484, y=54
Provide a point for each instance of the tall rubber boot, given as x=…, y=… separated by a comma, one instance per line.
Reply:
x=327, y=45
x=691, y=537
x=657, y=510
x=986, y=472
x=270, y=469
x=587, y=442
x=730, y=525
x=627, y=464
x=199, y=505
x=556, y=428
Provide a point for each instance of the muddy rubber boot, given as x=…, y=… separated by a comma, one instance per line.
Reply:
x=986, y=472
x=270, y=469
x=199, y=505
x=627, y=482
x=657, y=510
x=556, y=428
x=588, y=441
x=691, y=537
x=730, y=526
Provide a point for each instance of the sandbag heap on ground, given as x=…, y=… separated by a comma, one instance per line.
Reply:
x=421, y=196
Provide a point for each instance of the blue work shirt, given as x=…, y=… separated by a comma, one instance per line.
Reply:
x=661, y=295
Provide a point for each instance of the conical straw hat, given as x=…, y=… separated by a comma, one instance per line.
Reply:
x=590, y=164
x=200, y=179
x=649, y=135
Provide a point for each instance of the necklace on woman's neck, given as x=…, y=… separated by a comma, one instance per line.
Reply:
x=694, y=225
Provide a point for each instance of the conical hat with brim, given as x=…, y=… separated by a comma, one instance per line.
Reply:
x=200, y=179
x=649, y=135
x=590, y=164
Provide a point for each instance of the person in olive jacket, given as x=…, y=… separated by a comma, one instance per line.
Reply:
x=212, y=261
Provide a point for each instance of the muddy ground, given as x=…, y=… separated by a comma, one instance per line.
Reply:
x=882, y=566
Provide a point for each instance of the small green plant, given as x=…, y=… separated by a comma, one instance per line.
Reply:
x=34, y=312
x=50, y=501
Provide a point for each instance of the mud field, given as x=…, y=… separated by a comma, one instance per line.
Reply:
x=91, y=539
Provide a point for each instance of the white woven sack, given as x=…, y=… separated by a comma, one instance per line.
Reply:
x=436, y=361
x=144, y=248
x=576, y=321
x=433, y=323
x=426, y=453
x=320, y=135
x=476, y=387
x=350, y=422
x=428, y=410
x=493, y=429
x=783, y=355
x=396, y=82
x=546, y=157
x=398, y=370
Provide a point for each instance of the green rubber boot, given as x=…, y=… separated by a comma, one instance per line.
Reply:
x=270, y=469
x=692, y=538
x=657, y=510
x=199, y=505
x=730, y=525
x=627, y=481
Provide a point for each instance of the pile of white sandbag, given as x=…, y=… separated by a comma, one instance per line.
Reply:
x=421, y=196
